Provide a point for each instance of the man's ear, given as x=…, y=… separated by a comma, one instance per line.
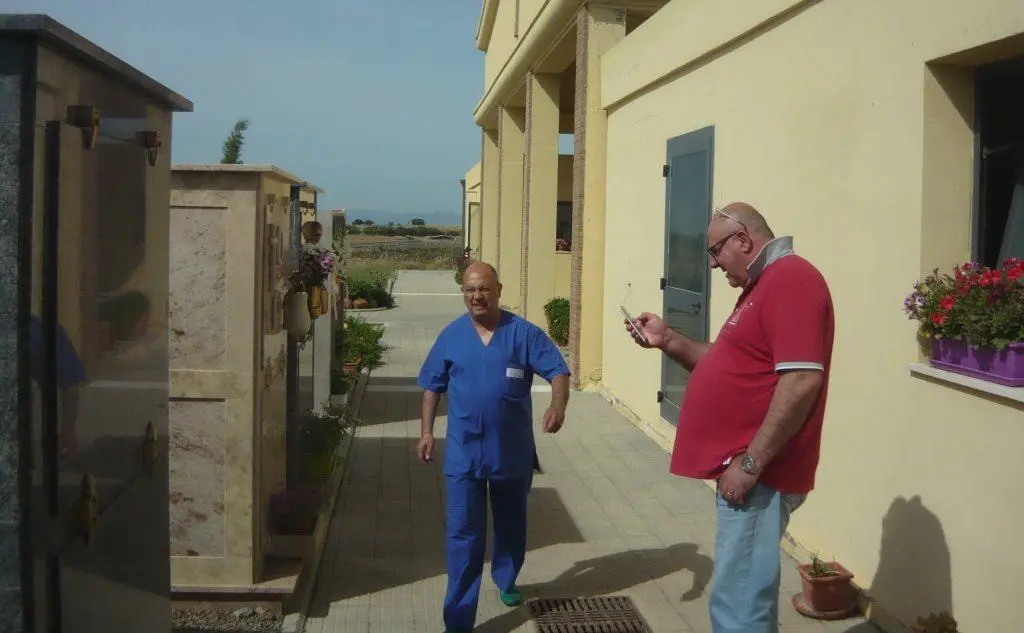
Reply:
x=748, y=244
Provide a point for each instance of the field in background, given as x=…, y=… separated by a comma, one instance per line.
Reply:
x=384, y=252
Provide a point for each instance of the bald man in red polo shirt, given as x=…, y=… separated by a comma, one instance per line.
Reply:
x=752, y=413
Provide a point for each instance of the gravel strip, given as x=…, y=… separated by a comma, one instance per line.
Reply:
x=243, y=620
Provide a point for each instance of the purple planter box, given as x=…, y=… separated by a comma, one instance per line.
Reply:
x=1005, y=366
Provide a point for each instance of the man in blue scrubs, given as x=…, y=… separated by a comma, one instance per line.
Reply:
x=485, y=361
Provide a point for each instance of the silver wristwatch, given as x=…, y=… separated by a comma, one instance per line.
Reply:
x=748, y=465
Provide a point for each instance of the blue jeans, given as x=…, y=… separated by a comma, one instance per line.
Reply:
x=745, y=586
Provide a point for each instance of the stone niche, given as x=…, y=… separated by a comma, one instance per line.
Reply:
x=231, y=232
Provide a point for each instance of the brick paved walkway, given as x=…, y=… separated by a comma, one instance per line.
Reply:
x=605, y=517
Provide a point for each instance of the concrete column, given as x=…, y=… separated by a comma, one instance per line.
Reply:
x=488, y=244
x=511, y=129
x=597, y=30
x=323, y=328
x=539, y=212
x=475, y=226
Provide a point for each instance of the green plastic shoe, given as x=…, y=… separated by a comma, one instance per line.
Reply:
x=511, y=598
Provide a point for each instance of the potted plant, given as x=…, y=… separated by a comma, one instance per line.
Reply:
x=127, y=315
x=973, y=320
x=293, y=512
x=307, y=287
x=827, y=593
x=292, y=520
x=935, y=623
x=320, y=433
x=360, y=345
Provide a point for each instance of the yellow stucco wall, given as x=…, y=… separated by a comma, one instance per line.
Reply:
x=563, y=273
x=471, y=228
x=485, y=224
x=832, y=124
x=504, y=37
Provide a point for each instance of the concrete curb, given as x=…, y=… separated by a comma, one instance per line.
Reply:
x=306, y=584
x=361, y=310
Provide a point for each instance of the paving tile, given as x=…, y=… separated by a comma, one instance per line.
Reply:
x=606, y=517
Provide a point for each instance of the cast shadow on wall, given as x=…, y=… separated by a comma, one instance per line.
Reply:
x=914, y=575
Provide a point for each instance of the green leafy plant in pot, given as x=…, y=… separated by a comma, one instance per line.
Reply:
x=127, y=314
x=361, y=343
x=827, y=593
x=320, y=433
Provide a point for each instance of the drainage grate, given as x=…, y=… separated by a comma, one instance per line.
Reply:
x=606, y=614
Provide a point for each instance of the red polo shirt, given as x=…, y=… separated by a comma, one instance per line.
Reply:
x=782, y=321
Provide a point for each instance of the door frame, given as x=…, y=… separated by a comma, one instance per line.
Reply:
x=700, y=140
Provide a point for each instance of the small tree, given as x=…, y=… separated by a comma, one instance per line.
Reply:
x=358, y=222
x=233, y=144
x=418, y=222
x=368, y=222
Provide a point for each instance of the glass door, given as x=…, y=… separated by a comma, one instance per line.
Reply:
x=99, y=352
x=686, y=281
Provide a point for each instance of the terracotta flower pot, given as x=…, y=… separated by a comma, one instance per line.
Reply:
x=827, y=594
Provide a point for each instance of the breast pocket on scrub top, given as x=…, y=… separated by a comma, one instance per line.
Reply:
x=516, y=384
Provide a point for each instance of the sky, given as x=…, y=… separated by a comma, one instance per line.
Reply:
x=372, y=100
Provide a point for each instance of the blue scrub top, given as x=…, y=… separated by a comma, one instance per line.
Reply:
x=490, y=411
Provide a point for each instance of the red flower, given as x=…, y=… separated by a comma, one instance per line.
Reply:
x=938, y=318
x=947, y=303
x=1015, y=273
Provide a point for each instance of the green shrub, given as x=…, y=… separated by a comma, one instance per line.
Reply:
x=372, y=284
x=361, y=342
x=557, y=313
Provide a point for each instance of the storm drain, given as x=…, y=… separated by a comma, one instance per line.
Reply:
x=605, y=614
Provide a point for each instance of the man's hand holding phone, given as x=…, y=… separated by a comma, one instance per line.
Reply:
x=648, y=330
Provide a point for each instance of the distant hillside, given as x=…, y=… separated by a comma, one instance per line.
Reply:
x=383, y=217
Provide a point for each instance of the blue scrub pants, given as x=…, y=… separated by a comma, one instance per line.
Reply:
x=466, y=530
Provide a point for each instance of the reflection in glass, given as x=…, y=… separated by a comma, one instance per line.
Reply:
x=688, y=203
x=100, y=266
x=674, y=377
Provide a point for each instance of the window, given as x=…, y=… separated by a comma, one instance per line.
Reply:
x=563, y=227
x=999, y=215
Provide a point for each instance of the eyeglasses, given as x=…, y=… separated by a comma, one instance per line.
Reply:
x=469, y=291
x=717, y=247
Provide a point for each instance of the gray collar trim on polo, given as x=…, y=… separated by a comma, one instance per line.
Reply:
x=770, y=253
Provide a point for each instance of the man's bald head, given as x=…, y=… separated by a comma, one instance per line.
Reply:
x=736, y=234
x=748, y=216
x=481, y=290
x=483, y=270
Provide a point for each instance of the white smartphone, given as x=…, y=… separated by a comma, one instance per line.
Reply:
x=632, y=326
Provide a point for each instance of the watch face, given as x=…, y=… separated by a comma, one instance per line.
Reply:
x=748, y=464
